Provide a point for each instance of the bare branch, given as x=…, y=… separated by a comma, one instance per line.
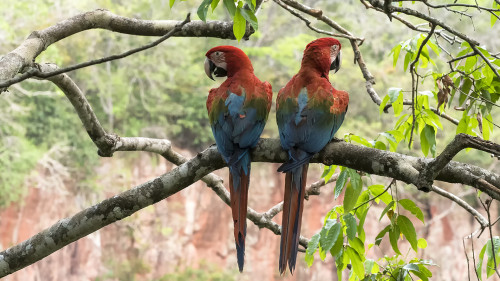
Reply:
x=379, y=4
x=24, y=55
x=40, y=74
x=308, y=24
x=414, y=84
x=480, y=219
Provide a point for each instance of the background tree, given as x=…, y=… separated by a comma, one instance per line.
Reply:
x=449, y=65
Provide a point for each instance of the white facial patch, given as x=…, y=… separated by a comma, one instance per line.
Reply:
x=334, y=50
x=219, y=59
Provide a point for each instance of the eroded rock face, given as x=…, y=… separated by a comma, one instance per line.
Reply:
x=193, y=228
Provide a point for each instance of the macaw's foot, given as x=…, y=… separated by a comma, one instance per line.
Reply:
x=334, y=139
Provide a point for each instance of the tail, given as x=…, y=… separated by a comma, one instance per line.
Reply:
x=295, y=185
x=239, y=179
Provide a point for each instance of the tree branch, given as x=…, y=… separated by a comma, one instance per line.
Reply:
x=24, y=55
x=460, y=142
x=373, y=161
x=41, y=74
x=480, y=219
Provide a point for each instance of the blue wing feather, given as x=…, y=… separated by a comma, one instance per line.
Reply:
x=302, y=134
x=237, y=130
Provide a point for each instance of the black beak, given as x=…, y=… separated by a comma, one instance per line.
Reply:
x=336, y=62
x=209, y=68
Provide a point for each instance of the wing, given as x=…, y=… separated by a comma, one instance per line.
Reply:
x=239, y=124
x=307, y=123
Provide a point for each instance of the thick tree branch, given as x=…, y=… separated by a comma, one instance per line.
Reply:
x=34, y=71
x=373, y=161
x=24, y=55
x=460, y=142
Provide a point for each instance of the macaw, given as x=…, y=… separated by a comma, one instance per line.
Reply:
x=238, y=112
x=308, y=111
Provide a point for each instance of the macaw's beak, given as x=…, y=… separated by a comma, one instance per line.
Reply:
x=336, y=62
x=209, y=68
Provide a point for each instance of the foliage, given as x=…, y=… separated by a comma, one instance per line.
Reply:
x=241, y=11
x=343, y=234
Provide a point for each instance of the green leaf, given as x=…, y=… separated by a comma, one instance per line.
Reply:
x=393, y=94
x=407, y=60
x=356, y=262
x=351, y=225
x=239, y=24
x=380, y=145
x=214, y=4
x=202, y=9
x=339, y=185
x=479, y=264
x=412, y=207
x=434, y=47
x=408, y=231
x=428, y=140
x=230, y=7
x=312, y=246
x=369, y=266
x=422, y=243
x=336, y=250
x=332, y=236
x=398, y=104
x=250, y=18
x=378, y=189
x=360, y=140
x=251, y=4
x=462, y=125
x=486, y=127
x=490, y=265
x=424, y=269
x=351, y=195
x=411, y=266
x=420, y=275
x=383, y=104
x=395, y=54
x=393, y=238
x=465, y=89
x=470, y=62
x=493, y=19
x=171, y=3
x=358, y=245
x=328, y=172
x=391, y=204
x=324, y=231
x=381, y=234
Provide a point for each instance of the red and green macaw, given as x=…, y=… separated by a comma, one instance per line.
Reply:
x=308, y=111
x=238, y=112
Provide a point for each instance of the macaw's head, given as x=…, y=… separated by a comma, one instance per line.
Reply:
x=226, y=61
x=323, y=54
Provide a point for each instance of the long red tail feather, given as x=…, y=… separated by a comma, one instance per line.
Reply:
x=239, y=200
x=292, y=217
